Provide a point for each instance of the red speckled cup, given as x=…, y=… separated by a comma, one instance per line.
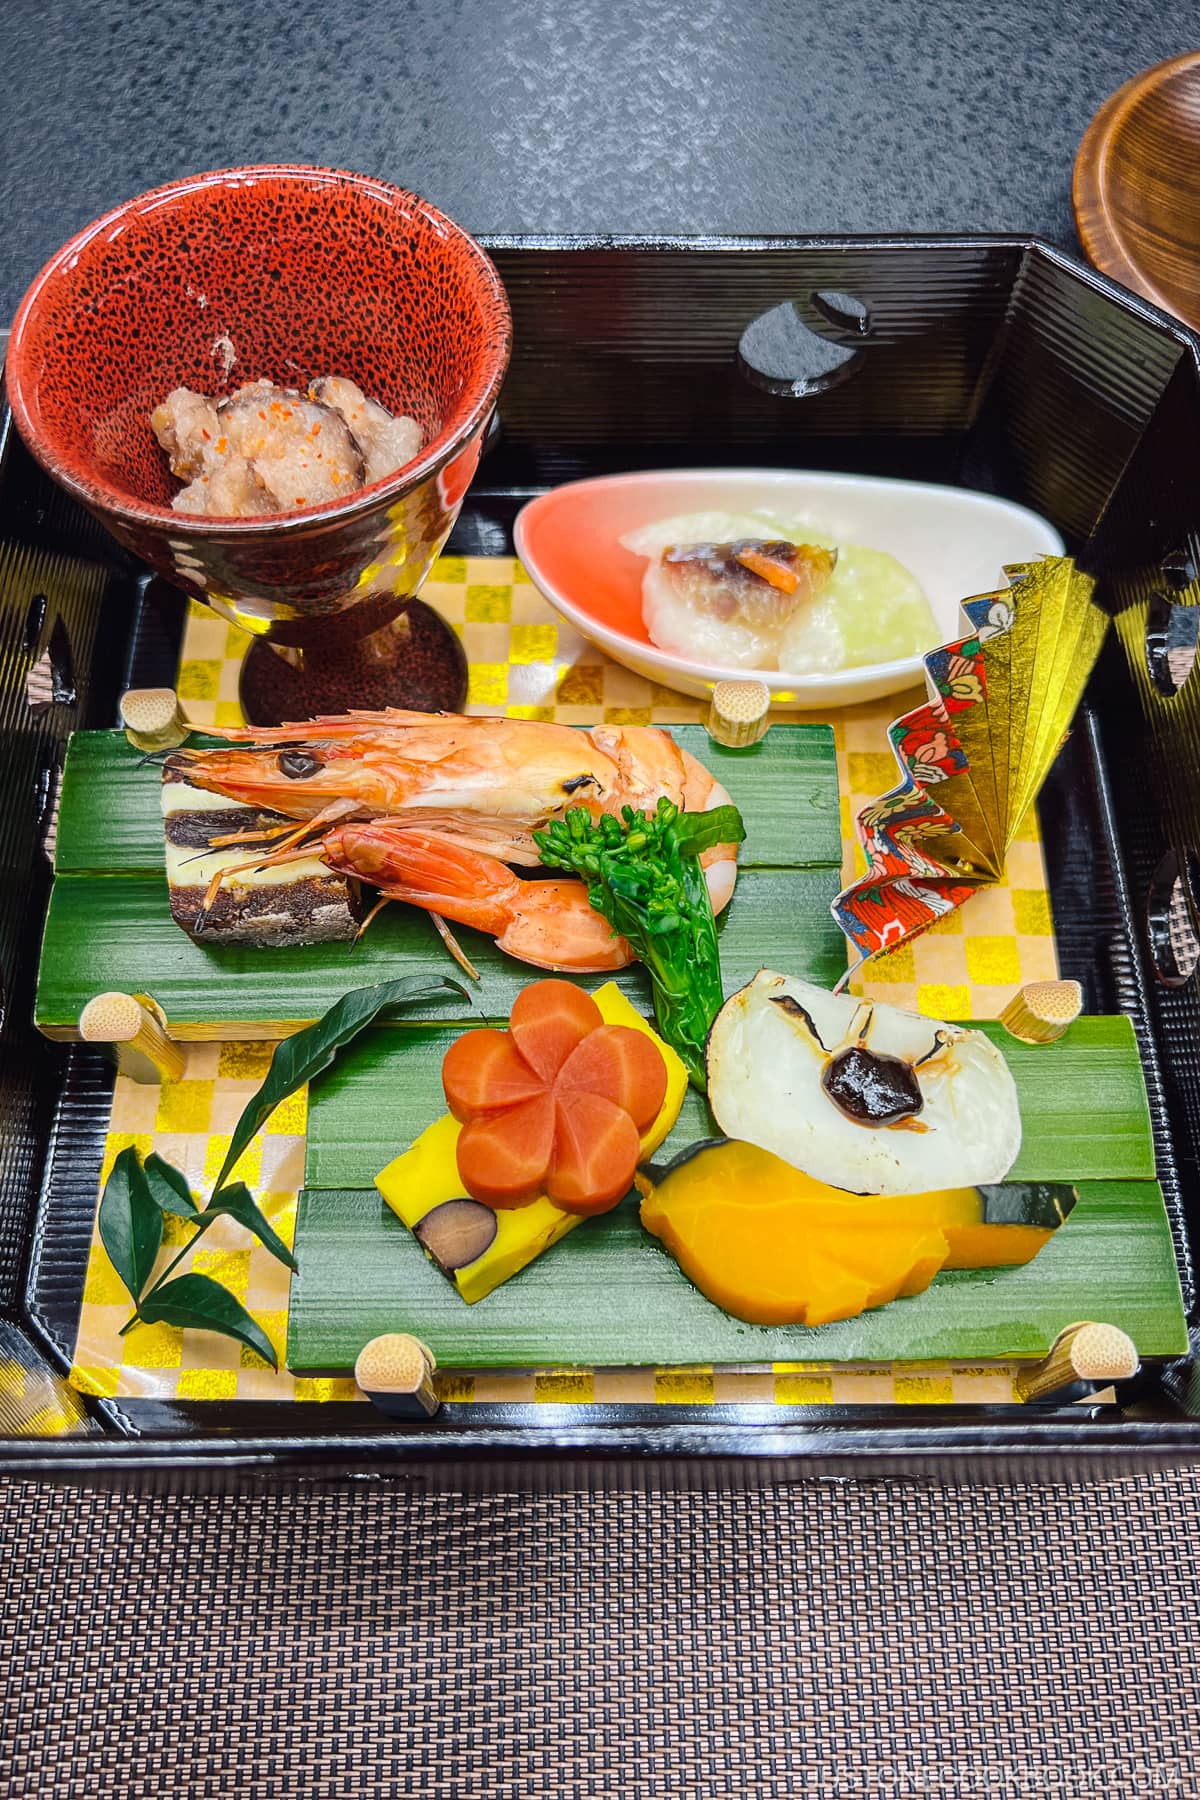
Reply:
x=286, y=273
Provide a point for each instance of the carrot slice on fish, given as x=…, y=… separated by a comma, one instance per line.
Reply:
x=620, y=1064
x=549, y=1020
x=779, y=574
x=595, y=1153
x=504, y=1157
x=483, y=1072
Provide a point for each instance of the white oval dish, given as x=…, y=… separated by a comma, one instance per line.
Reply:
x=955, y=541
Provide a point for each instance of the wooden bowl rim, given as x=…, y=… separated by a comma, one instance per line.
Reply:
x=1102, y=243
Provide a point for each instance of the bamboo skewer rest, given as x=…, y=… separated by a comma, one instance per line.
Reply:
x=153, y=718
x=1085, y=1352
x=395, y=1372
x=133, y=1031
x=739, y=713
x=1043, y=1011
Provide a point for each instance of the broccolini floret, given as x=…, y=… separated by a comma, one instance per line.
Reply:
x=644, y=875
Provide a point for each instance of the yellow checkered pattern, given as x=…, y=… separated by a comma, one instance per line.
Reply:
x=35, y=1403
x=525, y=663
x=190, y=1122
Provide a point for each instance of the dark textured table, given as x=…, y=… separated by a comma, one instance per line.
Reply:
x=841, y=1641
x=576, y=115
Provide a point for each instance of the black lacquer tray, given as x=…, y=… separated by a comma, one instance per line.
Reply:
x=994, y=363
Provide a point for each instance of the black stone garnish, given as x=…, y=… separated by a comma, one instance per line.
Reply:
x=297, y=765
x=872, y=1089
x=62, y=674
x=35, y=618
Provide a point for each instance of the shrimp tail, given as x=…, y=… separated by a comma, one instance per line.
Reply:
x=547, y=923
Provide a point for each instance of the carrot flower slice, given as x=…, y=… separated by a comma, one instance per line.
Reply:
x=549, y=1019
x=504, y=1158
x=595, y=1153
x=484, y=1072
x=621, y=1064
x=555, y=1105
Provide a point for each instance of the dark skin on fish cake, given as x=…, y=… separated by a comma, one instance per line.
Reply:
x=758, y=580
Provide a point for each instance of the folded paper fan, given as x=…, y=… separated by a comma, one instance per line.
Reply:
x=974, y=756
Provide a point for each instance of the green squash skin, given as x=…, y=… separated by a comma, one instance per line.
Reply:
x=658, y=1172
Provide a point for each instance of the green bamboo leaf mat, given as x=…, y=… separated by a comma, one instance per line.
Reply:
x=608, y=1294
x=117, y=932
x=109, y=923
x=1084, y=1112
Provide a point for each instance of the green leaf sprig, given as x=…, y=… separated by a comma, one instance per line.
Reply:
x=643, y=874
x=136, y=1197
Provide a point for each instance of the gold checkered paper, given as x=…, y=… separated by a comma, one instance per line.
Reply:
x=524, y=663
x=189, y=1122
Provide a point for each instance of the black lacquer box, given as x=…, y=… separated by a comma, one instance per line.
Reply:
x=992, y=363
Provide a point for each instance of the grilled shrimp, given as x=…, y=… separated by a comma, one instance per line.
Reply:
x=486, y=784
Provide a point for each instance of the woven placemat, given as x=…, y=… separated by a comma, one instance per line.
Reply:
x=845, y=1641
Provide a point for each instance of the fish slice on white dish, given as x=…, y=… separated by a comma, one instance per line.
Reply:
x=954, y=541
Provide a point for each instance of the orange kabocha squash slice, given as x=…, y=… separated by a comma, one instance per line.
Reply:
x=773, y=1246
x=770, y=1245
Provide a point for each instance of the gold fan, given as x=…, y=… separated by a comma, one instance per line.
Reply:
x=974, y=756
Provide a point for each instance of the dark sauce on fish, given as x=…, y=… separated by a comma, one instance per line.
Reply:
x=870, y=1088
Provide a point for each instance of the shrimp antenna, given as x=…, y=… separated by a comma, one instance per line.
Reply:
x=455, y=948
x=286, y=852
x=372, y=915
x=264, y=834
x=275, y=860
